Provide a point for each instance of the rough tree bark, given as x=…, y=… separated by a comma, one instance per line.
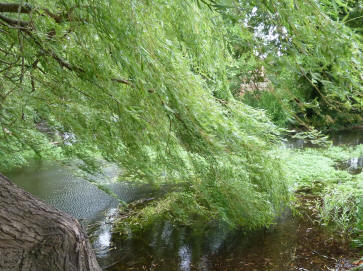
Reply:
x=37, y=237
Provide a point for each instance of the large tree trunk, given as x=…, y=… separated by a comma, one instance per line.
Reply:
x=37, y=237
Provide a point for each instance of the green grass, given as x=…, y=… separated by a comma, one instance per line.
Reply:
x=340, y=204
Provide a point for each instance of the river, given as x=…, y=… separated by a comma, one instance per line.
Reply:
x=292, y=244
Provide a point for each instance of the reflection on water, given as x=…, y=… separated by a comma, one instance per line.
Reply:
x=353, y=165
x=292, y=244
x=59, y=187
x=348, y=137
x=165, y=248
x=101, y=234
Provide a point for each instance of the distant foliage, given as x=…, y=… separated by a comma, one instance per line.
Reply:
x=311, y=52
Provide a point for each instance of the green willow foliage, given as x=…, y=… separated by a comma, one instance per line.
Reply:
x=312, y=54
x=142, y=84
x=324, y=61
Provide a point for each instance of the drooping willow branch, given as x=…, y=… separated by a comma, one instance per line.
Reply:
x=26, y=8
x=25, y=27
x=14, y=22
x=15, y=8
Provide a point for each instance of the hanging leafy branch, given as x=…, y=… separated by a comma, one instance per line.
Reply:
x=311, y=56
x=143, y=86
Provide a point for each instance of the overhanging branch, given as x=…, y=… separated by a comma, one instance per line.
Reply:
x=26, y=8
x=15, y=8
x=14, y=22
x=24, y=26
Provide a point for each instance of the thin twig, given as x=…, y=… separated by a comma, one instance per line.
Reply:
x=122, y=81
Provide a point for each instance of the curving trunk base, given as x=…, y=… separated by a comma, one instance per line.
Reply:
x=37, y=237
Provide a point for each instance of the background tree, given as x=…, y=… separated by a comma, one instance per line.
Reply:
x=311, y=52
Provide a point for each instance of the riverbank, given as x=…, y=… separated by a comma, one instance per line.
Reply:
x=292, y=243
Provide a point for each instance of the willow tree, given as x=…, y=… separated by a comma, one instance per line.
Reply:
x=311, y=52
x=143, y=85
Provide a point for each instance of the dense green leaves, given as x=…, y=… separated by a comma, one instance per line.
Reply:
x=311, y=54
x=149, y=86
x=143, y=85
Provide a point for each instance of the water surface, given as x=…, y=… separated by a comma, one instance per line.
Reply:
x=293, y=243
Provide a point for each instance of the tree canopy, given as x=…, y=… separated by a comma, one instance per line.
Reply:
x=142, y=85
x=148, y=85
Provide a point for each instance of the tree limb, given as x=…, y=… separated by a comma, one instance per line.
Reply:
x=18, y=8
x=14, y=22
x=26, y=8
x=15, y=8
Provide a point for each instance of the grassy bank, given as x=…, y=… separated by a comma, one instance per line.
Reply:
x=326, y=174
x=321, y=173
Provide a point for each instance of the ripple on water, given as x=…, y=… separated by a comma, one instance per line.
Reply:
x=292, y=244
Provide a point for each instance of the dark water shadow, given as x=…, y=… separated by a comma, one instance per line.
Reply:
x=293, y=243
x=353, y=165
x=345, y=137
